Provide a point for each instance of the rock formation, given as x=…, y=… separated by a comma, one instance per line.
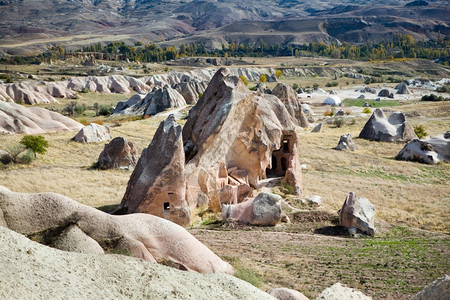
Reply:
x=286, y=294
x=264, y=210
x=430, y=150
x=289, y=98
x=403, y=89
x=346, y=143
x=158, y=100
x=93, y=133
x=15, y=118
x=231, y=128
x=437, y=290
x=358, y=213
x=392, y=129
x=191, y=90
x=338, y=292
x=54, y=219
x=118, y=154
x=158, y=185
x=384, y=93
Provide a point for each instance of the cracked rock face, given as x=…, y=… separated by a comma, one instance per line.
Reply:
x=358, y=213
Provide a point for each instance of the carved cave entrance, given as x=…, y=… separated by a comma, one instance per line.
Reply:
x=280, y=158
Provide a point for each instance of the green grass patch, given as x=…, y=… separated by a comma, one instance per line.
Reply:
x=374, y=103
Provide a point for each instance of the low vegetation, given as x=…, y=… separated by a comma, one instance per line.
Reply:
x=373, y=103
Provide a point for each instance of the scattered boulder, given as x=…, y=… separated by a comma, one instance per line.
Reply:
x=430, y=150
x=118, y=154
x=35, y=271
x=368, y=90
x=361, y=96
x=384, y=93
x=262, y=88
x=339, y=291
x=314, y=200
x=15, y=118
x=392, y=129
x=391, y=96
x=340, y=113
x=264, y=210
x=403, y=90
x=55, y=219
x=286, y=294
x=307, y=110
x=358, y=213
x=5, y=157
x=318, y=128
x=93, y=133
x=191, y=90
x=158, y=183
x=333, y=100
x=346, y=143
x=437, y=290
x=289, y=98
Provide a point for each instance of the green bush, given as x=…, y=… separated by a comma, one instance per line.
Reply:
x=37, y=144
x=84, y=90
x=366, y=110
x=331, y=84
x=339, y=122
x=79, y=109
x=248, y=275
x=244, y=80
x=433, y=97
x=105, y=111
x=420, y=131
x=27, y=157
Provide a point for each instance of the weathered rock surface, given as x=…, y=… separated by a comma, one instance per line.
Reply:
x=191, y=90
x=289, y=98
x=53, y=219
x=15, y=118
x=430, y=150
x=232, y=127
x=392, y=129
x=314, y=200
x=346, y=143
x=384, y=93
x=286, y=294
x=358, y=213
x=318, y=128
x=118, y=154
x=437, y=290
x=403, y=90
x=264, y=210
x=339, y=292
x=33, y=271
x=158, y=183
x=93, y=133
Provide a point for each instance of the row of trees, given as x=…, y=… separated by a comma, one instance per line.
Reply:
x=401, y=46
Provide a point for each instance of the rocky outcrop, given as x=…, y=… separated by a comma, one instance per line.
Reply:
x=384, y=93
x=158, y=100
x=264, y=210
x=437, y=290
x=346, y=143
x=93, y=133
x=286, y=294
x=392, y=129
x=191, y=91
x=118, y=154
x=403, y=90
x=358, y=213
x=430, y=151
x=54, y=219
x=108, y=84
x=289, y=98
x=232, y=127
x=338, y=292
x=42, y=272
x=15, y=118
x=158, y=183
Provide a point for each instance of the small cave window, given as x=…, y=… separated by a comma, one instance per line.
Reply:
x=283, y=164
x=286, y=146
x=166, y=206
x=274, y=162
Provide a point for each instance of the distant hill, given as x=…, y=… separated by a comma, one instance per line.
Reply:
x=30, y=26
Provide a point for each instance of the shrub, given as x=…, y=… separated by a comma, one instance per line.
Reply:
x=37, y=144
x=79, y=109
x=366, y=110
x=295, y=86
x=27, y=157
x=286, y=188
x=433, y=97
x=244, y=80
x=15, y=151
x=420, y=131
x=30, y=76
x=331, y=84
x=166, y=69
x=262, y=78
x=348, y=111
x=444, y=89
x=278, y=73
x=105, y=110
x=248, y=275
x=339, y=122
x=84, y=90
x=315, y=86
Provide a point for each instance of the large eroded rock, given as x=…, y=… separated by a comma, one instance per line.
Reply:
x=93, y=133
x=437, y=290
x=289, y=97
x=358, y=213
x=431, y=150
x=118, y=154
x=157, y=185
x=54, y=219
x=191, y=90
x=15, y=118
x=392, y=129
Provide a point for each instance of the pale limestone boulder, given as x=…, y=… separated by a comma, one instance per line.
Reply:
x=358, y=213
x=437, y=290
x=429, y=150
x=118, y=154
x=158, y=183
x=72, y=239
x=289, y=98
x=49, y=217
x=93, y=133
x=264, y=210
x=15, y=118
x=340, y=292
x=346, y=143
x=392, y=129
x=286, y=294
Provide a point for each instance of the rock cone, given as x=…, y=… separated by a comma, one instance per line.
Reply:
x=118, y=154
